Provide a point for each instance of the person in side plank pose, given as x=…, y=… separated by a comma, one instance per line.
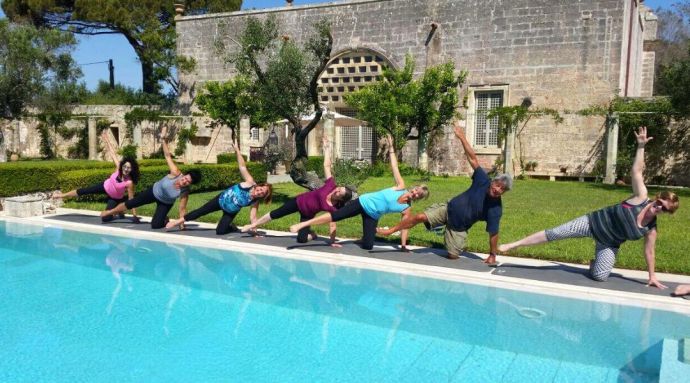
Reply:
x=124, y=179
x=232, y=200
x=629, y=220
x=481, y=202
x=371, y=206
x=328, y=198
x=164, y=192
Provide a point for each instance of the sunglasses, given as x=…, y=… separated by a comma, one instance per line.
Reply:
x=661, y=206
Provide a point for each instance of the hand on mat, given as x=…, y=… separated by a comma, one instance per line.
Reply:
x=173, y=223
x=384, y=231
x=335, y=244
x=136, y=219
x=295, y=228
x=247, y=228
x=653, y=282
x=404, y=249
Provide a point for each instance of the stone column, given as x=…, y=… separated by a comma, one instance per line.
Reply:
x=611, y=148
x=136, y=139
x=245, y=126
x=329, y=131
x=93, y=138
x=509, y=149
x=3, y=146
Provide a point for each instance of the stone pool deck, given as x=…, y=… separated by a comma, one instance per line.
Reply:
x=521, y=268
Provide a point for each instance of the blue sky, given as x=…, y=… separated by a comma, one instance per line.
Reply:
x=127, y=70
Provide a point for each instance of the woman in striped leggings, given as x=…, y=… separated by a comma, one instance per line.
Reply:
x=629, y=220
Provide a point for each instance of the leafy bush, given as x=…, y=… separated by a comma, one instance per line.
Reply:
x=315, y=164
x=226, y=158
x=120, y=95
x=213, y=177
x=33, y=176
x=351, y=173
x=128, y=151
x=380, y=168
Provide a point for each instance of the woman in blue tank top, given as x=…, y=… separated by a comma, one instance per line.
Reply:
x=631, y=219
x=232, y=200
x=372, y=206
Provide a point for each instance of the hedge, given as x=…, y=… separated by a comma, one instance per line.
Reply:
x=226, y=158
x=29, y=177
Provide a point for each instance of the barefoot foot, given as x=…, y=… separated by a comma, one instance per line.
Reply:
x=682, y=290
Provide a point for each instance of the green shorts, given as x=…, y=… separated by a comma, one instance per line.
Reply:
x=437, y=215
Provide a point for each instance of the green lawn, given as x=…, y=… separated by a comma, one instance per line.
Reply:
x=533, y=205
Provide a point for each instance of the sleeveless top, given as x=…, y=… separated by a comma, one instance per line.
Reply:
x=314, y=201
x=616, y=224
x=164, y=190
x=382, y=202
x=116, y=188
x=235, y=198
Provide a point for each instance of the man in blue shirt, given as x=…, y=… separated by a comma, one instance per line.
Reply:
x=481, y=202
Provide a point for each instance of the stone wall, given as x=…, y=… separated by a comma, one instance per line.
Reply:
x=22, y=136
x=562, y=54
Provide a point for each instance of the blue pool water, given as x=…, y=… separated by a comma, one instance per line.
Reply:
x=83, y=307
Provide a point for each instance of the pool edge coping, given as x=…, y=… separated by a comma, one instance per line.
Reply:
x=487, y=278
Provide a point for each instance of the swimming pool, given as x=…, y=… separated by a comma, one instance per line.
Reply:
x=84, y=307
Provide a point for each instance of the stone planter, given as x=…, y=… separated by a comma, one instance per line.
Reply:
x=24, y=206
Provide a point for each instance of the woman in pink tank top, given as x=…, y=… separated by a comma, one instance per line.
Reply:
x=123, y=179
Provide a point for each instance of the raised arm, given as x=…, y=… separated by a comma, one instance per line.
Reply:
x=327, y=154
x=111, y=150
x=399, y=181
x=637, y=178
x=174, y=170
x=469, y=152
x=248, y=179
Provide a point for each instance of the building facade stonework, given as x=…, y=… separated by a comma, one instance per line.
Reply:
x=561, y=54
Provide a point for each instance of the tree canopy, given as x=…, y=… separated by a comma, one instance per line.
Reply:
x=148, y=26
x=226, y=102
x=410, y=108
x=34, y=62
x=284, y=78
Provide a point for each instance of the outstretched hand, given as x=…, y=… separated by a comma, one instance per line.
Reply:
x=641, y=136
x=164, y=132
x=459, y=131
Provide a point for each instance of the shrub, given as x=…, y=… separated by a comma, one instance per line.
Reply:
x=315, y=164
x=226, y=158
x=34, y=176
x=128, y=151
x=213, y=177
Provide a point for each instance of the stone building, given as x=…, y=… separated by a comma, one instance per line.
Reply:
x=562, y=54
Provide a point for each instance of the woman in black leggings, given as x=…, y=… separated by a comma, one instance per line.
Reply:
x=164, y=192
x=328, y=198
x=232, y=200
